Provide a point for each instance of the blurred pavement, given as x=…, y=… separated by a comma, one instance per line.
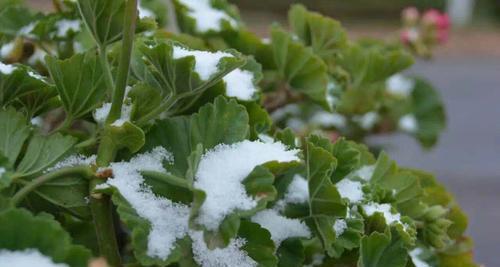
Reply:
x=467, y=158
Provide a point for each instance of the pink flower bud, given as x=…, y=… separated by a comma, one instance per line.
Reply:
x=410, y=15
x=410, y=35
x=431, y=17
x=443, y=22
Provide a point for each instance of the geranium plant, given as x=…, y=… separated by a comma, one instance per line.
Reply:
x=145, y=146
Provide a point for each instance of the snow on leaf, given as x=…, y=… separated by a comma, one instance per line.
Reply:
x=221, y=172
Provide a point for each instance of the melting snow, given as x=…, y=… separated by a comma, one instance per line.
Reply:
x=327, y=119
x=169, y=220
x=239, y=84
x=207, y=18
x=74, y=160
x=281, y=227
x=206, y=61
x=367, y=121
x=7, y=49
x=385, y=209
x=28, y=257
x=365, y=173
x=222, y=170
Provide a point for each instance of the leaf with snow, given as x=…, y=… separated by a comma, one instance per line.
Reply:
x=179, y=74
x=25, y=89
x=202, y=16
x=80, y=83
x=16, y=20
x=41, y=234
x=221, y=122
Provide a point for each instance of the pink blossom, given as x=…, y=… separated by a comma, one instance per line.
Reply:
x=410, y=15
x=409, y=35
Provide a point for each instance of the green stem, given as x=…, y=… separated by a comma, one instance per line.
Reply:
x=83, y=171
x=100, y=204
x=108, y=77
x=172, y=26
x=102, y=213
x=124, y=65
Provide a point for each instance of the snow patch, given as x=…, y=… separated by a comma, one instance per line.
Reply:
x=385, y=209
x=27, y=257
x=327, y=119
x=239, y=84
x=339, y=227
x=7, y=49
x=7, y=69
x=230, y=256
x=365, y=173
x=221, y=171
x=408, y=123
x=367, y=121
x=351, y=190
x=414, y=254
x=206, y=61
x=398, y=84
x=169, y=220
x=281, y=227
x=27, y=29
x=206, y=17
x=64, y=26
x=100, y=114
x=2, y=171
x=74, y=160
x=298, y=190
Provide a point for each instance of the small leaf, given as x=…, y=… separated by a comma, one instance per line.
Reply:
x=128, y=135
x=259, y=245
x=291, y=253
x=20, y=231
x=79, y=81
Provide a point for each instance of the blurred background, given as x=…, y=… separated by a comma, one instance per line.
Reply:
x=466, y=70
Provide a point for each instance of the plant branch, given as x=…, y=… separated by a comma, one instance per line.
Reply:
x=84, y=171
x=172, y=25
x=124, y=65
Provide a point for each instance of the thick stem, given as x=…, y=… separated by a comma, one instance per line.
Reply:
x=83, y=171
x=124, y=65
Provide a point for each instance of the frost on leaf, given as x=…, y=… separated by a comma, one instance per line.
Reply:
x=221, y=172
x=169, y=220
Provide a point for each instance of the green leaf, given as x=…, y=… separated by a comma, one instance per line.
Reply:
x=26, y=90
x=43, y=152
x=14, y=18
x=325, y=202
x=259, y=245
x=383, y=168
x=223, y=122
x=323, y=34
x=104, y=19
x=66, y=194
x=291, y=253
x=379, y=250
x=145, y=99
x=128, y=135
x=79, y=81
x=20, y=230
x=428, y=108
x=304, y=72
x=348, y=158
x=13, y=133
